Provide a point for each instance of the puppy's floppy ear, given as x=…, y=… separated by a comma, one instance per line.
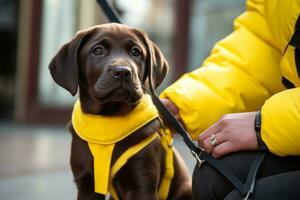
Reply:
x=155, y=62
x=64, y=65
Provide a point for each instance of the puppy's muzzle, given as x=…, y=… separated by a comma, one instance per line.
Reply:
x=121, y=72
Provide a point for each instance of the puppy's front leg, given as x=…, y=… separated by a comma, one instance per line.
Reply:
x=140, y=177
x=82, y=168
x=85, y=186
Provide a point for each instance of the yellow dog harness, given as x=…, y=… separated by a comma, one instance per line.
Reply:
x=103, y=132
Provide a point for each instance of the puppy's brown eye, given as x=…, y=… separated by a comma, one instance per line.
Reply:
x=99, y=51
x=135, y=51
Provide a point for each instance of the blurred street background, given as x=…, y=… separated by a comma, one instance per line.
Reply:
x=34, y=143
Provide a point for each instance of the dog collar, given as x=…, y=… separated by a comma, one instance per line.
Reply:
x=111, y=129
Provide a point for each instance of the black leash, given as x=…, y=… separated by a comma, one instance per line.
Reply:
x=246, y=189
x=109, y=12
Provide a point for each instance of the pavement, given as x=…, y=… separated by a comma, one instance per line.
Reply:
x=34, y=162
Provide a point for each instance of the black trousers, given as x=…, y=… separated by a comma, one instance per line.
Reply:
x=277, y=178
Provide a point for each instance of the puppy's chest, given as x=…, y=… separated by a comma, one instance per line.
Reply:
x=110, y=157
x=131, y=141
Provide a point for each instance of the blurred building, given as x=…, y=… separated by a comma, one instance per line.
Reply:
x=31, y=31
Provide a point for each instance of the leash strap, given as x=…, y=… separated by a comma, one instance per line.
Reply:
x=109, y=12
x=201, y=156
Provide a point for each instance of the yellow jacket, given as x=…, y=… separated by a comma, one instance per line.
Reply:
x=103, y=132
x=245, y=72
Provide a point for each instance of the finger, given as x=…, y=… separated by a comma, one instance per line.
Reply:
x=223, y=149
x=219, y=137
x=171, y=106
x=207, y=146
x=208, y=132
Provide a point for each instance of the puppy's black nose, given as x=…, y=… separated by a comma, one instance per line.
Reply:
x=121, y=72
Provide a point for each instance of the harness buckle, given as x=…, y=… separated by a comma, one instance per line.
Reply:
x=199, y=161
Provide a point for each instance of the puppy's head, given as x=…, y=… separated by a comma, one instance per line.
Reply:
x=109, y=63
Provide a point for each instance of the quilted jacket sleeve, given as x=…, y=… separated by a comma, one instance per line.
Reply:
x=240, y=74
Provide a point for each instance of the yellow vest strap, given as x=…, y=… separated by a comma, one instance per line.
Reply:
x=102, y=158
x=122, y=160
x=167, y=140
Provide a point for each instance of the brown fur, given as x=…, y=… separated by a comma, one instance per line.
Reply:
x=109, y=64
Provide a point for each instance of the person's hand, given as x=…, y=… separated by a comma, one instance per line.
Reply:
x=171, y=106
x=232, y=133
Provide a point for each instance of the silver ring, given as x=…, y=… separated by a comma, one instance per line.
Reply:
x=213, y=140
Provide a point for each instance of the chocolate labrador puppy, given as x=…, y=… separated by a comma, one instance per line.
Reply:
x=109, y=63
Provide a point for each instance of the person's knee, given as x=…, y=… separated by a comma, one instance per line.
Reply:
x=208, y=183
x=200, y=188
